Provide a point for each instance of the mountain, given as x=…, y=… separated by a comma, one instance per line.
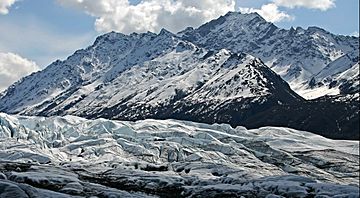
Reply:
x=167, y=76
x=110, y=54
x=298, y=55
x=339, y=77
x=330, y=116
x=75, y=157
x=177, y=80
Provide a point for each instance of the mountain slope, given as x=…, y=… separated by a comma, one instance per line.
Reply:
x=71, y=156
x=334, y=117
x=110, y=54
x=184, y=81
x=339, y=77
x=297, y=55
x=217, y=81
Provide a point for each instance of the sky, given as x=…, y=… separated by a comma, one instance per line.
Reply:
x=34, y=33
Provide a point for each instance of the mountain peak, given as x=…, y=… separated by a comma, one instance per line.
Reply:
x=241, y=17
x=110, y=36
x=164, y=31
x=314, y=29
x=237, y=14
x=231, y=22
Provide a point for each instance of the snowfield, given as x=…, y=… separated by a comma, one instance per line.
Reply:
x=75, y=157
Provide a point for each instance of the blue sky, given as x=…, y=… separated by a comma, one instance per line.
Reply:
x=46, y=30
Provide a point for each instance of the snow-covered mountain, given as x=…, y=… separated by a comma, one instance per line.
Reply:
x=141, y=76
x=339, y=77
x=75, y=157
x=166, y=75
x=297, y=55
x=85, y=70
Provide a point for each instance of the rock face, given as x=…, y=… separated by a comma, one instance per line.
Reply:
x=189, y=76
x=75, y=157
x=297, y=55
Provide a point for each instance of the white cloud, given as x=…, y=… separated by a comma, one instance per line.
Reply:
x=5, y=5
x=312, y=4
x=13, y=67
x=150, y=15
x=270, y=12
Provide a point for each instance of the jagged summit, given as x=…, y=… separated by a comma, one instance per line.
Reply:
x=238, y=16
x=114, y=36
x=295, y=54
x=314, y=29
x=164, y=31
x=235, y=21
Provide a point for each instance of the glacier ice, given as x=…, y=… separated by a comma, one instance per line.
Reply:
x=71, y=156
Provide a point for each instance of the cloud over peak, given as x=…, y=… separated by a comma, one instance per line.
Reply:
x=150, y=15
x=270, y=12
x=13, y=67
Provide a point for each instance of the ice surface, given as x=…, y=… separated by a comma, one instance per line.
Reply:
x=71, y=156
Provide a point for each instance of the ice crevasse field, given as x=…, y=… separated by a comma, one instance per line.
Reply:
x=75, y=157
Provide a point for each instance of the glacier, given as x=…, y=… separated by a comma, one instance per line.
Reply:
x=75, y=157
